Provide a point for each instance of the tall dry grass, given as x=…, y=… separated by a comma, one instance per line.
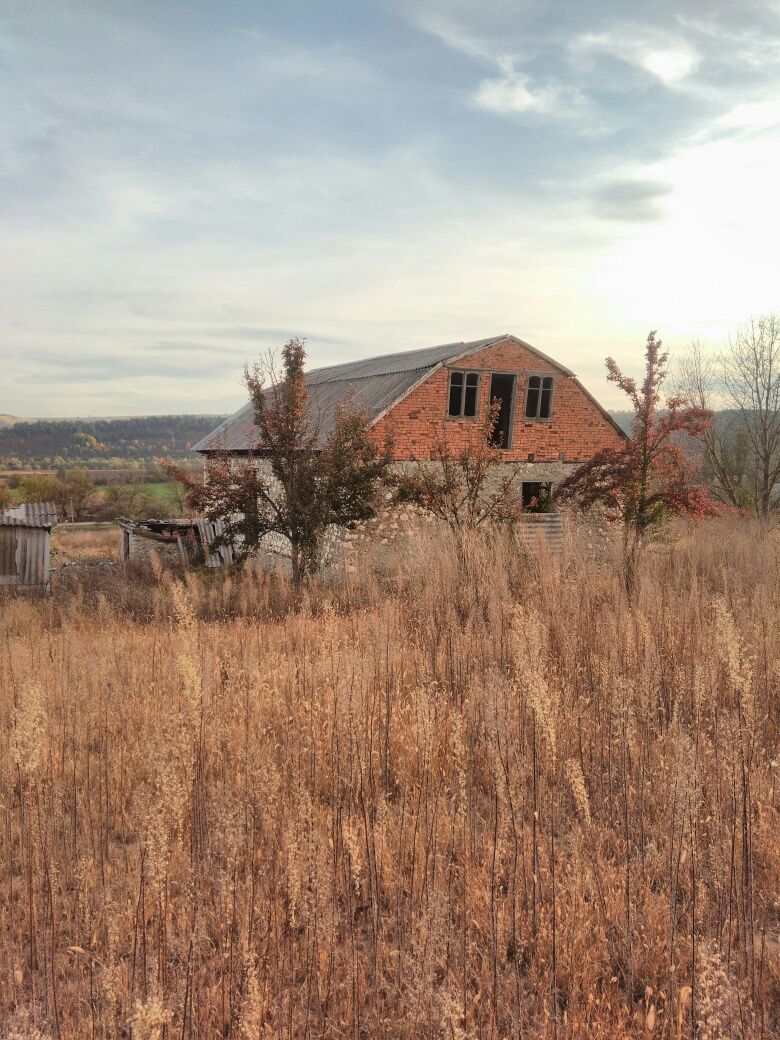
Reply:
x=487, y=800
x=87, y=543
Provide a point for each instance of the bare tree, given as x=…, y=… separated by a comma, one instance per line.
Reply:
x=751, y=377
x=724, y=446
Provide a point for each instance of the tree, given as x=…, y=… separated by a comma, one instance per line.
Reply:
x=648, y=478
x=39, y=487
x=75, y=490
x=466, y=487
x=751, y=376
x=300, y=478
x=71, y=491
x=5, y=495
x=724, y=443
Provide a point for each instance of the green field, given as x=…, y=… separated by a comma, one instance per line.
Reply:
x=162, y=492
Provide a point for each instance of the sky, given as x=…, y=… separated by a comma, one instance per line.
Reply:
x=186, y=184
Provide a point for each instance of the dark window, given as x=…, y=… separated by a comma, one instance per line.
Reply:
x=536, y=497
x=538, y=397
x=470, y=399
x=532, y=397
x=545, y=403
x=456, y=393
x=502, y=388
x=464, y=395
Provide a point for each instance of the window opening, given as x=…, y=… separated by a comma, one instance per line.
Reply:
x=502, y=391
x=464, y=395
x=538, y=397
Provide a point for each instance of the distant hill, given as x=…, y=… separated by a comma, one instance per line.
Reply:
x=723, y=420
x=99, y=443
x=114, y=443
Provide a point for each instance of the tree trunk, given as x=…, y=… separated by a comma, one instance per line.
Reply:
x=631, y=547
x=766, y=489
x=298, y=570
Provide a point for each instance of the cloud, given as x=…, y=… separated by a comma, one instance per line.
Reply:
x=632, y=201
x=752, y=115
x=663, y=55
x=180, y=190
x=513, y=92
x=492, y=39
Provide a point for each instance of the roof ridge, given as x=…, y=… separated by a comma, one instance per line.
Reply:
x=357, y=379
x=457, y=347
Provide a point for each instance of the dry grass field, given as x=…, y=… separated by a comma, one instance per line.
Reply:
x=87, y=542
x=488, y=801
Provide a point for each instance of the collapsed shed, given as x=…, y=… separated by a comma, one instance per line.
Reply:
x=180, y=541
x=25, y=545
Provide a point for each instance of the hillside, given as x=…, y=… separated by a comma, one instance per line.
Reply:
x=625, y=420
x=727, y=419
x=99, y=443
x=105, y=443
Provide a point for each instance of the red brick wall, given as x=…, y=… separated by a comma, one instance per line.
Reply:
x=575, y=433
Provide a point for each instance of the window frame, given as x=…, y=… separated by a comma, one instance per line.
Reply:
x=465, y=372
x=549, y=485
x=541, y=376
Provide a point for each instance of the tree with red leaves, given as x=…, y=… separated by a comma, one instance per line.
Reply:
x=299, y=479
x=649, y=478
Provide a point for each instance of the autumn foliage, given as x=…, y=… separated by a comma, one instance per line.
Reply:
x=649, y=477
x=300, y=478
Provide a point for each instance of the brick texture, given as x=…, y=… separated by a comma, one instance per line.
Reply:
x=576, y=431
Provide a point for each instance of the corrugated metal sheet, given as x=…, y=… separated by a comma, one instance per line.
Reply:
x=24, y=556
x=8, y=568
x=393, y=364
x=208, y=532
x=25, y=544
x=372, y=394
x=541, y=530
x=29, y=514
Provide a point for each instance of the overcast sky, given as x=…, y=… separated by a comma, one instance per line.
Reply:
x=184, y=184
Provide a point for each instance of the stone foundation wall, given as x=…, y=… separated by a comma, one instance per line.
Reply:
x=393, y=524
x=144, y=548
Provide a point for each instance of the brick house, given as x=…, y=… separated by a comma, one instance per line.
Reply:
x=548, y=422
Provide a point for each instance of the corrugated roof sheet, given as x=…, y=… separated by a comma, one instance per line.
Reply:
x=376, y=383
x=29, y=514
x=393, y=364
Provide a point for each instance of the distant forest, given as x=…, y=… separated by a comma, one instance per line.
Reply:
x=100, y=443
x=726, y=419
x=625, y=420
x=123, y=443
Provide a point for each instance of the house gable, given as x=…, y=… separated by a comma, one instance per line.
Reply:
x=406, y=394
x=577, y=428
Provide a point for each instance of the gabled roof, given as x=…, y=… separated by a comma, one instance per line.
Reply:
x=29, y=514
x=375, y=383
